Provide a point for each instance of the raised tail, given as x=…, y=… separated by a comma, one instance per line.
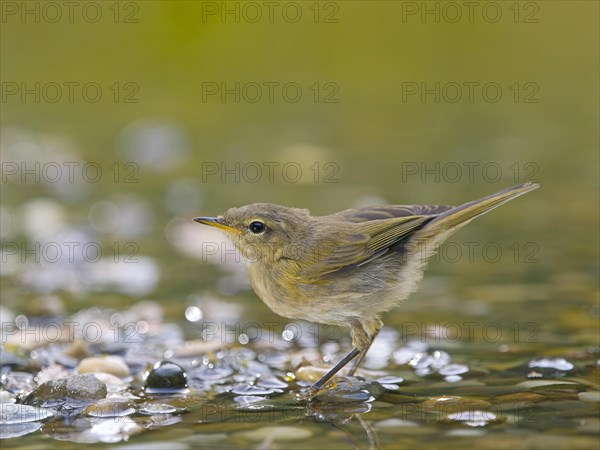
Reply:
x=448, y=222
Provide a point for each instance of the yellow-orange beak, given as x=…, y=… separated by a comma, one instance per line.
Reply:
x=216, y=222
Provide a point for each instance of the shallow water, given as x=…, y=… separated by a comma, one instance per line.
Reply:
x=501, y=383
x=103, y=269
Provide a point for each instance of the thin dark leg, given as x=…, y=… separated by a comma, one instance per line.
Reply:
x=362, y=355
x=325, y=378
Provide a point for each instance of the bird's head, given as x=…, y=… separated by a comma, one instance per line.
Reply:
x=264, y=231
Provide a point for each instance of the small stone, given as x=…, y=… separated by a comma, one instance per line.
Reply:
x=552, y=363
x=76, y=390
x=114, y=365
x=272, y=434
x=217, y=373
x=395, y=423
x=51, y=372
x=6, y=397
x=113, y=384
x=473, y=418
x=440, y=359
x=589, y=396
x=111, y=430
x=421, y=360
x=12, y=413
x=404, y=355
x=166, y=377
x=19, y=383
x=9, y=360
x=46, y=306
x=247, y=399
x=310, y=373
x=248, y=389
x=453, y=404
x=78, y=349
x=18, y=429
x=157, y=408
x=453, y=369
x=519, y=397
x=453, y=378
x=198, y=347
x=272, y=383
x=111, y=407
x=390, y=379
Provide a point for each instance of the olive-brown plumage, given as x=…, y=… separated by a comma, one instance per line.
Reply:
x=346, y=268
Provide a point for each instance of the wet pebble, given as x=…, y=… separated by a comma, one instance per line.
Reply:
x=519, y=397
x=11, y=413
x=589, y=396
x=453, y=369
x=440, y=359
x=51, y=372
x=111, y=407
x=19, y=383
x=207, y=373
x=551, y=363
x=46, y=306
x=10, y=361
x=166, y=377
x=245, y=399
x=113, y=383
x=390, y=382
x=516, y=402
x=395, y=423
x=76, y=390
x=310, y=373
x=390, y=379
x=403, y=355
x=453, y=403
x=473, y=418
x=542, y=383
x=6, y=397
x=78, y=349
x=198, y=347
x=249, y=389
x=157, y=408
x=421, y=361
x=453, y=378
x=18, y=429
x=162, y=420
x=276, y=434
x=114, y=365
x=272, y=383
x=110, y=430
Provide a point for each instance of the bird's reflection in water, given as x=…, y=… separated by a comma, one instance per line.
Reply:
x=345, y=404
x=340, y=416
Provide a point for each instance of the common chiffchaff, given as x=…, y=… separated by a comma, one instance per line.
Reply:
x=346, y=268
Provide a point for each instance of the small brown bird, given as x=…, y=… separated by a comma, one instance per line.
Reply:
x=346, y=268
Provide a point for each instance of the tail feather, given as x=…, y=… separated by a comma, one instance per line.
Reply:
x=437, y=230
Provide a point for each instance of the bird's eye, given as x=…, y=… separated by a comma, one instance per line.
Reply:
x=257, y=227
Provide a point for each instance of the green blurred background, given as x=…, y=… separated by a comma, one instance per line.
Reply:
x=160, y=57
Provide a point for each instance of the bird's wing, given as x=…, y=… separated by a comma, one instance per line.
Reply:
x=349, y=246
x=389, y=212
